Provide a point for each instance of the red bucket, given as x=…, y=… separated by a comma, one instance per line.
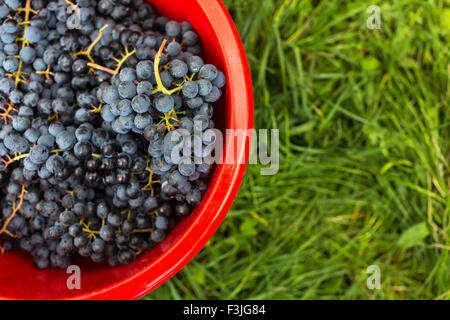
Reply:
x=19, y=279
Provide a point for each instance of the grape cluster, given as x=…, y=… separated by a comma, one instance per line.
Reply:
x=92, y=94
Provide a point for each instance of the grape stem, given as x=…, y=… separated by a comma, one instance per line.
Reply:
x=53, y=117
x=27, y=9
x=149, y=185
x=15, y=210
x=46, y=72
x=171, y=116
x=19, y=156
x=72, y=5
x=119, y=63
x=19, y=76
x=88, y=51
x=160, y=87
x=91, y=233
x=9, y=160
x=96, y=109
x=6, y=114
x=127, y=212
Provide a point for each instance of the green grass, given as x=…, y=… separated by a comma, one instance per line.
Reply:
x=364, y=176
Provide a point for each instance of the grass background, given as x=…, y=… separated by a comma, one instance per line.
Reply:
x=364, y=176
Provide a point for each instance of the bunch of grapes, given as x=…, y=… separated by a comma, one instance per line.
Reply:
x=92, y=94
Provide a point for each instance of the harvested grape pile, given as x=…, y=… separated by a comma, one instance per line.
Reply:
x=91, y=94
